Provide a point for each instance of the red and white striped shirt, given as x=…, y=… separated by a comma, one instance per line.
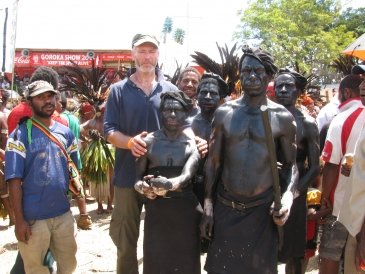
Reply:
x=341, y=139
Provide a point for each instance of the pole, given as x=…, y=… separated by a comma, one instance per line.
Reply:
x=11, y=13
x=274, y=168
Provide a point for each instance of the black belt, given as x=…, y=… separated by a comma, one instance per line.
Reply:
x=241, y=206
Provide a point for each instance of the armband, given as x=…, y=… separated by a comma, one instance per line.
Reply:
x=130, y=143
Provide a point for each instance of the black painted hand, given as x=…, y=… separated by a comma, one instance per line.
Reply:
x=161, y=182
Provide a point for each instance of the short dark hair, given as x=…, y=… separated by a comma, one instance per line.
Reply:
x=189, y=69
x=351, y=81
x=300, y=81
x=215, y=79
x=179, y=96
x=46, y=74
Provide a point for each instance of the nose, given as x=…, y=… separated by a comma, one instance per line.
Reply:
x=252, y=74
x=283, y=89
x=208, y=95
x=190, y=83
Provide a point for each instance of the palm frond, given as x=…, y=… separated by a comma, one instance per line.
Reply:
x=91, y=84
x=207, y=63
x=228, y=69
x=343, y=64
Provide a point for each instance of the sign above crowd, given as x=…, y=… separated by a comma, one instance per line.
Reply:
x=29, y=58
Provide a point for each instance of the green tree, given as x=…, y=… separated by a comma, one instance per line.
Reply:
x=302, y=31
x=353, y=19
x=167, y=28
x=179, y=36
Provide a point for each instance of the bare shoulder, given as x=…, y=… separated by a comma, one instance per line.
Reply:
x=226, y=109
x=310, y=125
x=309, y=120
x=280, y=111
x=151, y=137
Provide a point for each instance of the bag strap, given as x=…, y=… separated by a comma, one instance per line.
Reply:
x=47, y=132
x=75, y=184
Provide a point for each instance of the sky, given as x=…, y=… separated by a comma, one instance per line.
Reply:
x=111, y=24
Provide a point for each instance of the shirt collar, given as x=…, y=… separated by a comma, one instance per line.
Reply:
x=353, y=102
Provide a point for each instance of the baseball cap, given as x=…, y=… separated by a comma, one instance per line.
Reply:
x=139, y=39
x=358, y=69
x=38, y=87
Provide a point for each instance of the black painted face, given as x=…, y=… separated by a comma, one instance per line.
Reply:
x=208, y=97
x=254, y=79
x=173, y=115
x=286, y=91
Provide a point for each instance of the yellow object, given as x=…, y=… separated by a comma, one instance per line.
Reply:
x=130, y=143
x=313, y=197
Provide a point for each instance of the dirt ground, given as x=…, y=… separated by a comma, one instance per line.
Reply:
x=96, y=252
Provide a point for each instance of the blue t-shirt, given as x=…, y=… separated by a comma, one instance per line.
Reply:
x=130, y=111
x=42, y=168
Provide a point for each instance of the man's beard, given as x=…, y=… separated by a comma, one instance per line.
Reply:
x=42, y=114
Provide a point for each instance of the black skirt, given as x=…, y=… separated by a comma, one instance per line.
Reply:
x=171, y=233
x=243, y=241
x=295, y=242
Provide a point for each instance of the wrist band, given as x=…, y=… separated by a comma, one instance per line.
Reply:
x=4, y=196
x=130, y=143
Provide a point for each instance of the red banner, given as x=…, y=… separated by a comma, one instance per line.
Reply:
x=57, y=59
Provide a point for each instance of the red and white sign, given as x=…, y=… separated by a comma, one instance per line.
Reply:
x=57, y=59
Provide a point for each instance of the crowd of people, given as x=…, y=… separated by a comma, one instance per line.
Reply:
x=248, y=181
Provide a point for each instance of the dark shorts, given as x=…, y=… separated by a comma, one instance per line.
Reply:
x=333, y=239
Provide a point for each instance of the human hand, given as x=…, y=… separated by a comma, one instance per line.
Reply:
x=161, y=182
x=22, y=231
x=202, y=146
x=207, y=222
x=317, y=215
x=160, y=185
x=137, y=145
x=281, y=216
x=144, y=188
x=94, y=134
x=324, y=210
x=345, y=170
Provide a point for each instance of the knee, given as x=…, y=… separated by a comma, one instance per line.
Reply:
x=4, y=192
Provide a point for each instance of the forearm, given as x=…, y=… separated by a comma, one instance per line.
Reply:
x=16, y=194
x=4, y=137
x=330, y=172
x=118, y=139
x=306, y=180
x=313, y=156
x=189, y=170
x=292, y=177
x=211, y=173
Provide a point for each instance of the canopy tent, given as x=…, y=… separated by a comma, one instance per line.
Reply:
x=357, y=48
